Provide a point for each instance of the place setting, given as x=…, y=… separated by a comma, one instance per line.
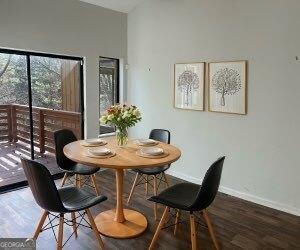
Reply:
x=94, y=142
x=152, y=152
x=101, y=153
x=146, y=142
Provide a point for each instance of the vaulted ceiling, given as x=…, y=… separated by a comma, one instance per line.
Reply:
x=118, y=5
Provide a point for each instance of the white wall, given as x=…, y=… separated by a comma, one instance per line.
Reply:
x=67, y=27
x=262, y=148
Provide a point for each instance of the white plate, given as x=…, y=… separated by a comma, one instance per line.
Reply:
x=88, y=154
x=152, y=151
x=146, y=142
x=99, y=151
x=94, y=142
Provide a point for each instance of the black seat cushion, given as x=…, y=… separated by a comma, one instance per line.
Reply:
x=81, y=169
x=180, y=196
x=75, y=199
x=152, y=171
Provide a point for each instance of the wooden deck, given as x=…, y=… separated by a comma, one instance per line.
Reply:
x=11, y=170
x=15, y=138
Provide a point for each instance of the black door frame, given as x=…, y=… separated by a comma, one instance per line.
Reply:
x=28, y=54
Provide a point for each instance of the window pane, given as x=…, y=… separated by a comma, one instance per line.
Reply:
x=55, y=97
x=55, y=83
x=14, y=118
x=109, y=84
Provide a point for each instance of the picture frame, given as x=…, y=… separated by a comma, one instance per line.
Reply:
x=227, y=87
x=189, y=85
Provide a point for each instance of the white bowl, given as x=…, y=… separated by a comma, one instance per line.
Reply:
x=99, y=151
x=95, y=141
x=152, y=151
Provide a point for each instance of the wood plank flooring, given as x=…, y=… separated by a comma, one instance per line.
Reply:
x=238, y=224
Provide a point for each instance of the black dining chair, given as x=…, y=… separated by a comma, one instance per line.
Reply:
x=58, y=202
x=62, y=138
x=192, y=198
x=156, y=174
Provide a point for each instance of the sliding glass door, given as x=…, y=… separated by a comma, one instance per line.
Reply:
x=13, y=122
x=39, y=94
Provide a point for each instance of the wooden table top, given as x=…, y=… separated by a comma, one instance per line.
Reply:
x=125, y=158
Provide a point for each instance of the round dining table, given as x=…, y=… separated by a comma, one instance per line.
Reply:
x=121, y=222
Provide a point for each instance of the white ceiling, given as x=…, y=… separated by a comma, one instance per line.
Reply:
x=118, y=5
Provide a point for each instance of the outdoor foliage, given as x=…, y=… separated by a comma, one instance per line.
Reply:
x=46, y=82
x=45, y=76
x=106, y=92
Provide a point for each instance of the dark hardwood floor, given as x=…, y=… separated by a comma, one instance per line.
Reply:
x=238, y=224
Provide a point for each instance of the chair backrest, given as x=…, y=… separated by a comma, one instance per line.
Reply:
x=210, y=185
x=62, y=138
x=162, y=135
x=42, y=186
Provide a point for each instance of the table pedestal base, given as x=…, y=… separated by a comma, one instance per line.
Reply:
x=134, y=225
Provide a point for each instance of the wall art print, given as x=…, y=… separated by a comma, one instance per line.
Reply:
x=189, y=86
x=228, y=87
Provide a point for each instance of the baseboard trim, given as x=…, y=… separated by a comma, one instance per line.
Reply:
x=241, y=195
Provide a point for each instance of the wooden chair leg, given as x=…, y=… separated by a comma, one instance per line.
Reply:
x=166, y=180
x=193, y=232
x=74, y=224
x=40, y=225
x=133, y=187
x=94, y=181
x=210, y=229
x=94, y=227
x=155, y=193
x=146, y=186
x=76, y=180
x=176, y=220
x=64, y=179
x=60, y=233
x=159, y=227
x=79, y=181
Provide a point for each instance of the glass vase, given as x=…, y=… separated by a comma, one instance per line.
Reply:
x=122, y=136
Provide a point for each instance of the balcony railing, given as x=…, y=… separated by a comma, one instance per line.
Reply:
x=15, y=126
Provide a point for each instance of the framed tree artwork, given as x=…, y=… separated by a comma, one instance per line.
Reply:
x=189, y=86
x=228, y=87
